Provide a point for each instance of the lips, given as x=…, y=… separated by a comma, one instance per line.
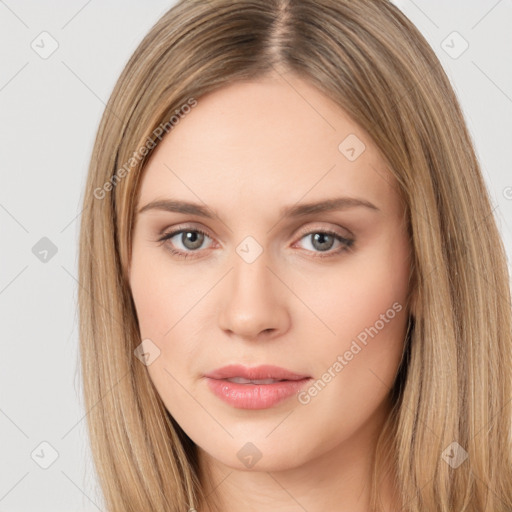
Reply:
x=263, y=372
x=259, y=387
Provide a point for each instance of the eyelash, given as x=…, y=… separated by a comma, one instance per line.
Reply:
x=347, y=243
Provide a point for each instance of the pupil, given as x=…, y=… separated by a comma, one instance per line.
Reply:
x=193, y=239
x=322, y=237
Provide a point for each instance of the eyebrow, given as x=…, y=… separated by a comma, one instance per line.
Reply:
x=297, y=210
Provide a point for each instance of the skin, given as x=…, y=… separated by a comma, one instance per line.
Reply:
x=246, y=151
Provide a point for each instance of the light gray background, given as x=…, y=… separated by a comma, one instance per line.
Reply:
x=50, y=109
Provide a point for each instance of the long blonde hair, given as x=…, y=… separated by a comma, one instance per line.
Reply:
x=454, y=385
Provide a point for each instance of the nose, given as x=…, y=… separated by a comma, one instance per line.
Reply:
x=253, y=303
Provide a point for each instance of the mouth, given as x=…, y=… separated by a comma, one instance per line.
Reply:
x=258, y=387
x=255, y=373
x=241, y=380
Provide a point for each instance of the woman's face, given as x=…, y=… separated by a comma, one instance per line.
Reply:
x=274, y=280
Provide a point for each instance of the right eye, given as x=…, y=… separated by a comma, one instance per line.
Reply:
x=191, y=239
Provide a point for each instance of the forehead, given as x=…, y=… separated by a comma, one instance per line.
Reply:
x=273, y=140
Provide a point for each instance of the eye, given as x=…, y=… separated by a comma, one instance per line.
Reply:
x=322, y=241
x=190, y=239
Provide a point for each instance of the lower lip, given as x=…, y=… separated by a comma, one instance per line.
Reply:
x=254, y=396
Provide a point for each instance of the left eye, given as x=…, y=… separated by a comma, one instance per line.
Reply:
x=192, y=240
x=323, y=241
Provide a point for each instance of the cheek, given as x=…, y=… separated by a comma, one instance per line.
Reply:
x=162, y=296
x=353, y=296
x=364, y=307
x=162, y=318
x=167, y=301
x=355, y=369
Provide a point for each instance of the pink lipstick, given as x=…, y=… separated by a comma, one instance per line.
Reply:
x=257, y=387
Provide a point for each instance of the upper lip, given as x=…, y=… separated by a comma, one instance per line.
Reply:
x=254, y=373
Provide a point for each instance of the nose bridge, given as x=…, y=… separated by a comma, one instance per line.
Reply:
x=251, y=276
x=252, y=302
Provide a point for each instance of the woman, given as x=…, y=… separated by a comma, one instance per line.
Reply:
x=293, y=292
